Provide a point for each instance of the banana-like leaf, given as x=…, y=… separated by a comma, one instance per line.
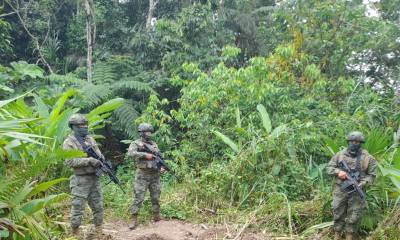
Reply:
x=276, y=133
x=59, y=125
x=393, y=174
x=41, y=107
x=106, y=107
x=36, y=205
x=14, y=124
x=5, y=102
x=60, y=104
x=227, y=141
x=44, y=186
x=266, y=121
x=24, y=136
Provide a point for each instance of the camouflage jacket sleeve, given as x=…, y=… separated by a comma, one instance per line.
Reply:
x=370, y=172
x=96, y=148
x=133, y=151
x=333, y=169
x=74, y=162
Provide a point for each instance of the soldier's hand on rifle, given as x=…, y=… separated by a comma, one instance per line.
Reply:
x=149, y=156
x=94, y=162
x=162, y=170
x=342, y=175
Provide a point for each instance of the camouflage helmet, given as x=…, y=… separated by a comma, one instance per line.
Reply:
x=77, y=119
x=356, y=136
x=145, y=127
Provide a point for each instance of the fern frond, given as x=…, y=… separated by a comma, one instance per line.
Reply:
x=95, y=94
x=104, y=73
x=124, y=118
x=68, y=79
x=132, y=84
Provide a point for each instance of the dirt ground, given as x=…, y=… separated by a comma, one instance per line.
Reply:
x=176, y=230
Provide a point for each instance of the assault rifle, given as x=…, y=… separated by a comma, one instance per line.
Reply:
x=158, y=158
x=350, y=185
x=105, y=168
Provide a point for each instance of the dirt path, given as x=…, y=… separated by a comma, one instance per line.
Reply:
x=174, y=230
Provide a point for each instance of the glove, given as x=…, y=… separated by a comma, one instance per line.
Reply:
x=94, y=162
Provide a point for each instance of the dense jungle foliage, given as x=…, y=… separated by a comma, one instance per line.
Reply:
x=250, y=99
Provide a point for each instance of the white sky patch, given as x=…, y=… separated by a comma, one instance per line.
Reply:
x=371, y=11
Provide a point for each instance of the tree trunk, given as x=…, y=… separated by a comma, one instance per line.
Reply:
x=90, y=36
x=152, y=7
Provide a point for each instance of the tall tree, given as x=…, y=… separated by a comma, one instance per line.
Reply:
x=150, y=14
x=90, y=36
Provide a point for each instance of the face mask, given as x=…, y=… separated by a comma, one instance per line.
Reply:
x=80, y=131
x=146, y=136
x=354, y=148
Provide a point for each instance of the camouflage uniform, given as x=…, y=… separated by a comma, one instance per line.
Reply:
x=348, y=208
x=84, y=184
x=147, y=176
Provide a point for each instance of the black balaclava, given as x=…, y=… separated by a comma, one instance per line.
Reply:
x=81, y=132
x=354, y=148
x=145, y=137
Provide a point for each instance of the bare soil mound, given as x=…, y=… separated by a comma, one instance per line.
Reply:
x=175, y=230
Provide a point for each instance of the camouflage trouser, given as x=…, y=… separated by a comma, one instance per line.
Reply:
x=143, y=181
x=347, y=211
x=86, y=189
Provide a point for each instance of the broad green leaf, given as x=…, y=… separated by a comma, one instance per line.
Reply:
x=276, y=133
x=227, y=141
x=23, y=136
x=4, y=233
x=41, y=107
x=106, y=107
x=36, y=205
x=5, y=102
x=60, y=104
x=44, y=186
x=14, y=124
x=266, y=121
x=276, y=169
x=25, y=69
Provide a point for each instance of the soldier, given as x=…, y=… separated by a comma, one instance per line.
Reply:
x=84, y=184
x=147, y=173
x=348, y=207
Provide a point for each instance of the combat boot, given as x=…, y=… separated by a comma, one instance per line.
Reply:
x=134, y=222
x=338, y=236
x=349, y=236
x=76, y=232
x=156, y=217
x=99, y=232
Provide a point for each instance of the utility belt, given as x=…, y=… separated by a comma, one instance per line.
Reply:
x=85, y=171
x=146, y=164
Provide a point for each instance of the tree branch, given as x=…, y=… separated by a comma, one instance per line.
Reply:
x=35, y=40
